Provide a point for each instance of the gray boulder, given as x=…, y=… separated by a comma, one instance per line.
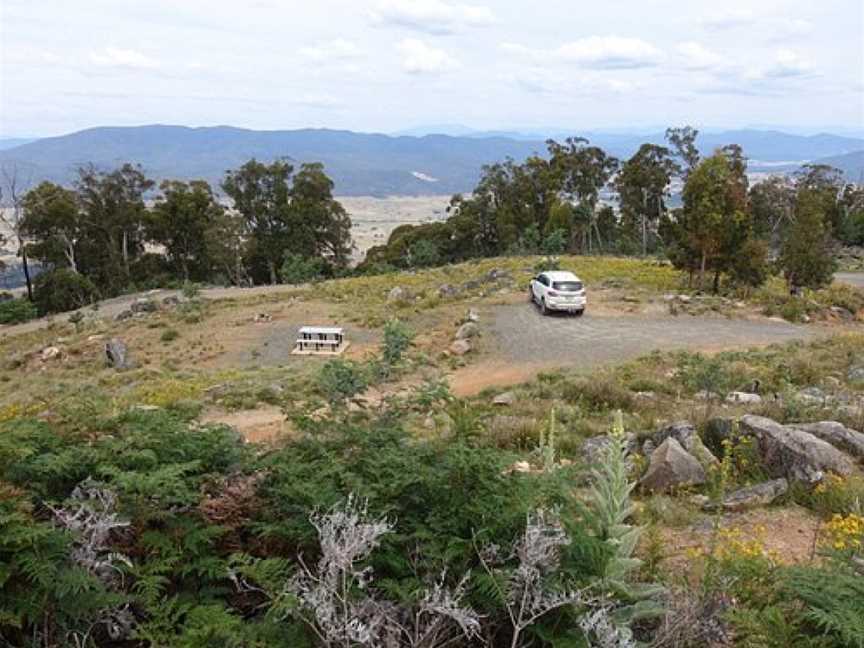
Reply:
x=171, y=300
x=467, y=331
x=685, y=434
x=124, y=315
x=855, y=375
x=446, y=290
x=794, y=454
x=812, y=396
x=460, y=347
x=672, y=467
x=594, y=447
x=143, y=305
x=397, y=294
x=472, y=315
x=117, y=354
x=838, y=435
x=752, y=496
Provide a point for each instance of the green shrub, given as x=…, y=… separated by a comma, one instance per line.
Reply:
x=61, y=290
x=423, y=254
x=397, y=339
x=341, y=380
x=169, y=335
x=297, y=269
x=17, y=311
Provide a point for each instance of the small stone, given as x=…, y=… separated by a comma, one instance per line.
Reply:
x=397, y=294
x=752, y=496
x=505, y=399
x=51, y=353
x=263, y=318
x=743, y=398
x=460, y=347
x=171, y=300
x=685, y=299
x=472, y=315
x=520, y=467
x=467, y=331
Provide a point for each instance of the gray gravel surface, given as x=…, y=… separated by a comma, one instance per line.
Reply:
x=523, y=335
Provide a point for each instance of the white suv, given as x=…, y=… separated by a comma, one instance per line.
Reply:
x=562, y=291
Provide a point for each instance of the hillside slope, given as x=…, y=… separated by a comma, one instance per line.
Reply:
x=359, y=163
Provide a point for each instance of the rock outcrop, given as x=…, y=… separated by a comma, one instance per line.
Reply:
x=838, y=435
x=793, y=453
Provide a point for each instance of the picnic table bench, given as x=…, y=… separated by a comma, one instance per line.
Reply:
x=320, y=339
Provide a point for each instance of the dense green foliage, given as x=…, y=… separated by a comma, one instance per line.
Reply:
x=16, y=311
x=63, y=289
x=100, y=230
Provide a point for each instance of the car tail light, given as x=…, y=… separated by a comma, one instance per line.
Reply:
x=552, y=293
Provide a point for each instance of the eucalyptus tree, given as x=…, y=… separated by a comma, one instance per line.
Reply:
x=643, y=187
x=580, y=172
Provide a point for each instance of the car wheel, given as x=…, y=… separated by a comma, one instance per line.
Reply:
x=530, y=295
x=543, y=309
x=579, y=313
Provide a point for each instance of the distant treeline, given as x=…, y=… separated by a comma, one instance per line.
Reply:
x=723, y=227
x=98, y=237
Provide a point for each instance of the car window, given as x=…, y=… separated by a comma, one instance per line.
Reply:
x=542, y=279
x=567, y=286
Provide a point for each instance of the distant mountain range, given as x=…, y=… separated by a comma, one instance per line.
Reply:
x=373, y=164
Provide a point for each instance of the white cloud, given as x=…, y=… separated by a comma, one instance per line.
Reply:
x=123, y=58
x=790, y=27
x=785, y=64
x=779, y=27
x=334, y=50
x=422, y=58
x=600, y=52
x=728, y=18
x=698, y=57
x=431, y=16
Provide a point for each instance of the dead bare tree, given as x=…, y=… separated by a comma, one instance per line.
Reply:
x=14, y=185
x=526, y=592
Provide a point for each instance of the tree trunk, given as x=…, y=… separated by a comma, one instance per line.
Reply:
x=716, y=281
x=125, y=248
x=702, y=265
x=273, y=279
x=25, y=266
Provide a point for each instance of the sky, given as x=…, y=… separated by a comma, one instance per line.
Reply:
x=390, y=65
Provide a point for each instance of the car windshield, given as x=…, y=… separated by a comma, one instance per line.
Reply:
x=567, y=286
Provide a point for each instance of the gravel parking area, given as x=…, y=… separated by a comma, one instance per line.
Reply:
x=852, y=278
x=523, y=335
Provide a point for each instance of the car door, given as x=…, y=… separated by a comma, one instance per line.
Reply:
x=539, y=287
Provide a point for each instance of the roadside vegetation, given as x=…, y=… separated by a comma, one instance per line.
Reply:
x=641, y=504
